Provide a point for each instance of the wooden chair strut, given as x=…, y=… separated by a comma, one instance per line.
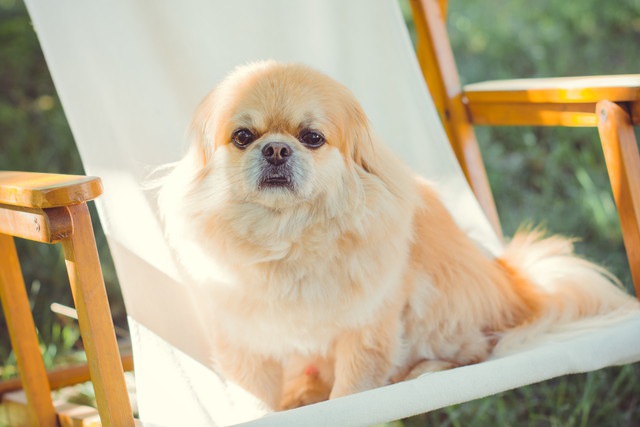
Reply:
x=53, y=209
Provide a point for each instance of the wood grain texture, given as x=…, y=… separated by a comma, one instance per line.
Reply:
x=566, y=101
x=620, y=88
x=24, y=340
x=94, y=318
x=441, y=74
x=541, y=114
x=41, y=225
x=623, y=165
x=42, y=190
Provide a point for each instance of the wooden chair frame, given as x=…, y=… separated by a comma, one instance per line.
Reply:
x=611, y=103
x=52, y=208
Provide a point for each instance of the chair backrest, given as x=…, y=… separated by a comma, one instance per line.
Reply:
x=130, y=74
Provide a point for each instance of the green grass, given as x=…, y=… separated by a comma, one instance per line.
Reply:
x=554, y=177
x=607, y=397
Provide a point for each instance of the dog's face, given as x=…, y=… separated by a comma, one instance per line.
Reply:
x=281, y=156
x=279, y=134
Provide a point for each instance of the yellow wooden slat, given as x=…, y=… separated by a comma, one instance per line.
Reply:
x=623, y=165
x=24, y=340
x=41, y=225
x=621, y=88
x=519, y=114
x=440, y=72
x=41, y=190
x=94, y=318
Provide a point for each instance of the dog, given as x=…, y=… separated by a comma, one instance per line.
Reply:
x=328, y=266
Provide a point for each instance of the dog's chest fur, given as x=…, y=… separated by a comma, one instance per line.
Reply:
x=301, y=283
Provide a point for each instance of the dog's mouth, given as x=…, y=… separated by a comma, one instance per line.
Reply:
x=276, y=181
x=276, y=178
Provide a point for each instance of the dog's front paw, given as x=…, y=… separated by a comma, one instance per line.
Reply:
x=304, y=390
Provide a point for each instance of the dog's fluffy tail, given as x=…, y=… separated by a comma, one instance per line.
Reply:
x=573, y=294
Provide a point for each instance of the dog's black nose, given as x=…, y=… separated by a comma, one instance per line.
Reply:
x=276, y=153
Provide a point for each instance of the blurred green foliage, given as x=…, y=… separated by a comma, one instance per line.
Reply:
x=35, y=136
x=551, y=176
x=498, y=39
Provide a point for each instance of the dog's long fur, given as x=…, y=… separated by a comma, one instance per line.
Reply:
x=357, y=271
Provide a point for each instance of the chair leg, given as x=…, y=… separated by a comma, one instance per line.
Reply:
x=94, y=318
x=24, y=340
x=623, y=164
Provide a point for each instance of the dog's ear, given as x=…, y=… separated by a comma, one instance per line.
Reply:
x=360, y=144
x=191, y=168
x=374, y=157
x=201, y=133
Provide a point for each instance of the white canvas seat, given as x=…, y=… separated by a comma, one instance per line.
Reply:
x=130, y=73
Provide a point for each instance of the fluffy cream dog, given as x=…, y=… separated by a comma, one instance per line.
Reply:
x=330, y=267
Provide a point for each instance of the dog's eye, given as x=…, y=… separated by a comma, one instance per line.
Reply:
x=242, y=137
x=311, y=139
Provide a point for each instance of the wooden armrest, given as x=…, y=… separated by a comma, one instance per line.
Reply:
x=42, y=190
x=564, y=101
x=557, y=90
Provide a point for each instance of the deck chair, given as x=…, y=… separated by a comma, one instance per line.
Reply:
x=129, y=75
